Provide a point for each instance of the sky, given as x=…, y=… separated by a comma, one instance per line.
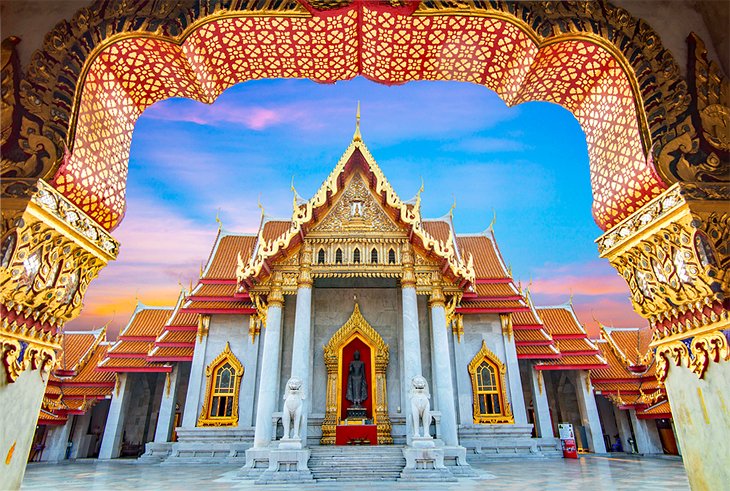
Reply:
x=526, y=165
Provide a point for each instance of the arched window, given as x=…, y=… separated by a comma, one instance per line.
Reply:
x=320, y=256
x=374, y=256
x=338, y=256
x=221, y=393
x=487, y=378
x=356, y=256
x=391, y=256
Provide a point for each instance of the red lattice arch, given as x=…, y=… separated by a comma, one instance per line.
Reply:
x=582, y=72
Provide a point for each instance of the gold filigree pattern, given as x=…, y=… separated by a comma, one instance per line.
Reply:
x=19, y=355
x=356, y=326
x=702, y=350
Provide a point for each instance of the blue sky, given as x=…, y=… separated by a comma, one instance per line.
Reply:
x=190, y=161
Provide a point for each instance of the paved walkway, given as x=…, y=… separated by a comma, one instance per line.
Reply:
x=595, y=473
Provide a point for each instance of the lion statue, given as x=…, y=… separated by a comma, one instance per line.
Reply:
x=293, y=402
x=420, y=406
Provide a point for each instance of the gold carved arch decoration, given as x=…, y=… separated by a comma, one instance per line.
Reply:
x=356, y=327
x=89, y=62
x=490, y=388
x=214, y=396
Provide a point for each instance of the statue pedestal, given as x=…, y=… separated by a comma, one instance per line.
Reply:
x=422, y=442
x=357, y=413
x=287, y=465
x=425, y=463
x=290, y=444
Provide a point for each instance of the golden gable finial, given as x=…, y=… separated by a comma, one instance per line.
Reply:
x=357, y=136
x=453, y=207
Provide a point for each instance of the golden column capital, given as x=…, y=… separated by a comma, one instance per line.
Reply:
x=276, y=295
x=305, y=271
x=408, y=280
x=506, y=321
x=437, y=298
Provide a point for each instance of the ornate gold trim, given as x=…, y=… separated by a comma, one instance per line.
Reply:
x=356, y=327
x=506, y=416
x=226, y=356
x=703, y=349
x=18, y=356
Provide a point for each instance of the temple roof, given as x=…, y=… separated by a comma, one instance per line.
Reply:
x=275, y=238
x=488, y=261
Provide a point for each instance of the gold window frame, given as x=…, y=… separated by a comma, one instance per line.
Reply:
x=505, y=416
x=211, y=370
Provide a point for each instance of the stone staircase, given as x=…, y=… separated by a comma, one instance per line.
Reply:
x=356, y=463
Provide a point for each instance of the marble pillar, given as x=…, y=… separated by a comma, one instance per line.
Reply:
x=301, y=358
x=589, y=412
x=514, y=382
x=270, y=364
x=57, y=442
x=443, y=382
x=193, y=404
x=166, y=415
x=543, y=423
x=411, y=331
x=624, y=430
x=80, y=434
x=648, y=441
x=111, y=443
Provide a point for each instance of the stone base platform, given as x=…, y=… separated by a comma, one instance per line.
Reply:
x=287, y=466
x=210, y=446
x=508, y=441
x=425, y=464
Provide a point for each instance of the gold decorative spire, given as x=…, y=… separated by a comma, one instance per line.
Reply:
x=218, y=218
x=453, y=207
x=357, y=136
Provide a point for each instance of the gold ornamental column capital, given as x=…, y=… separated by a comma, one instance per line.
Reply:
x=506, y=321
x=305, y=270
x=408, y=280
x=437, y=298
x=276, y=295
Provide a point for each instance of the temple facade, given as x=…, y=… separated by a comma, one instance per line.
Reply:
x=284, y=311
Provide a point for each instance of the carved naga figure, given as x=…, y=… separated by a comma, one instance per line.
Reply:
x=420, y=406
x=293, y=402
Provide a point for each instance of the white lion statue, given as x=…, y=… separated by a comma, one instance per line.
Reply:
x=292, y=417
x=420, y=406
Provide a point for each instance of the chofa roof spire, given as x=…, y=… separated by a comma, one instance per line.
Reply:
x=357, y=136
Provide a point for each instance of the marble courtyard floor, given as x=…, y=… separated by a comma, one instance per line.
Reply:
x=594, y=473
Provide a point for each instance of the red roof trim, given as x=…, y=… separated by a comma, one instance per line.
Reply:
x=487, y=281
x=570, y=336
x=51, y=422
x=616, y=392
x=170, y=358
x=621, y=380
x=88, y=385
x=134, y=369
x=580, y=353
x=217, y=281
x=545, y=342
x=537, y=357
x=218, y=311
x=163, y=344
x=111, y=354
x=492, y=310
x=527, y=327
x=181, y=328
x=654, y=416
x=203, y=298
x=570, y=367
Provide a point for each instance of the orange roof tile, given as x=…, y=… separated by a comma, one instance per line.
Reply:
x=581, y=360
x=487, y=260
x=660, y=408
x=561, y=320
x=171, y=354
x=73, y=391
x=75, y=345
x=496, y=290
x=89, y=374
x=536, y=350
x=146, y=321
x=124, y=347
x=567, y=345
x=493, y=304
x=196, y=304
x=177, y=337
x=524, y=335
x=224, y=256
x=273, y=229
x=528, y=318
x=630, y=344
x=438, y=229
x=130, y=364
x=214, y=290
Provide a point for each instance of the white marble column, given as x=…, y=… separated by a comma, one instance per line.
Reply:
x=270, y=363
x=111, y=443
x=301, y=363
x=411, y=330
x=166, y=416
x=57, y=442
x=443, y=382
x=589, y=412
x=543, y=423
x=81, y=427
x=193, y=404
x=647, y=435
x=517, y=398
x=624, y=430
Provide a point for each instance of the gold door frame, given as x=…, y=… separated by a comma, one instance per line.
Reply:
x=356, y=327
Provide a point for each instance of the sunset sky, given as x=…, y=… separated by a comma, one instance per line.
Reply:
x=189, y=161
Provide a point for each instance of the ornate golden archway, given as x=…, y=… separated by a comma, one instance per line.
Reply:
x=356, y=326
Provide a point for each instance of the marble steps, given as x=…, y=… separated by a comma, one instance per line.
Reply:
x=380, y=463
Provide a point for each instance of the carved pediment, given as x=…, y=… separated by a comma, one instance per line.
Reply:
x=356, y=210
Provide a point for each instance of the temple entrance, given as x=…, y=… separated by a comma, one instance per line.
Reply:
x=356, y=358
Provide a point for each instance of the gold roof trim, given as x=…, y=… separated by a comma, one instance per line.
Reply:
x=303, y=214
